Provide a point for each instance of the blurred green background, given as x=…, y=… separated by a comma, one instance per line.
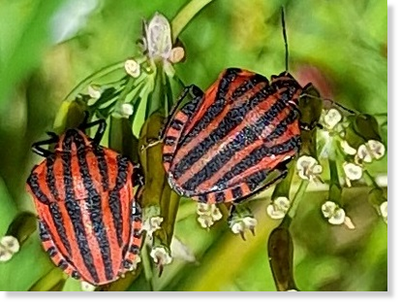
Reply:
x=47, y=47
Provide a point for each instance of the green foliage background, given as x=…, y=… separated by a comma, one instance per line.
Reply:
x=338, y=45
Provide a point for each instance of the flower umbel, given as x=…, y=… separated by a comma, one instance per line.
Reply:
x=308, y=168
x=208, y=214
x=336, y=215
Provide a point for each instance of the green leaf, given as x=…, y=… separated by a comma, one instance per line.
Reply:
x=24, y=33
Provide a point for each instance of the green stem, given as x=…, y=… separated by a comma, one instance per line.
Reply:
x=371, y=180
x=297, y=198
x=148, y=273
x=185, y=15
x=100, y=73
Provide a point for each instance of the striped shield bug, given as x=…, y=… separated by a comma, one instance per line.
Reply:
x=236, y=138
x=89, y=219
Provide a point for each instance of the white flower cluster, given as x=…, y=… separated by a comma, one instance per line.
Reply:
x=336, y=215
x=278, y=208
x=208, y=214
x=308, y=168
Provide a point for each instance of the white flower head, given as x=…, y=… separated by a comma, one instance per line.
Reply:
x=308, y=167
x=278, y=208
x=85, y=286
x=208, y=214
x=161, y=256
x=352, y=171
x=364, y=154
x=152, y=224
x=132, y=68
x=334, y=214
x=383, y=211
x=239, y=224
x=377, y=149
x=331, y=118
x=9, y=245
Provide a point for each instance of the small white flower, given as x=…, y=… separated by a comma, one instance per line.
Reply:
x=85, y=286
x=331, y=118
x=10, y=243
x=161, y=255
x=352, y=171
x=208, y=214
x=308, y=167
x=334, y=214
x=94, y=91
x=278, y=208
x=347, y=148
x=377, y=149
x=126, y=110
x=239, y=224
x=177, y=54
x=364, y=154
x=383, y=211
x=152, y=224
x=132, y=68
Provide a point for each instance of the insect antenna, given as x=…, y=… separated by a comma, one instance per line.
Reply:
x=285, y=39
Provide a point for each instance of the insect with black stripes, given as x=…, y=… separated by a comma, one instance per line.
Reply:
x=225, y=143
x=89, y=219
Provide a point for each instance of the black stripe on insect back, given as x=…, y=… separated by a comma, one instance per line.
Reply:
x=75, y=214
x=257, y=155
x=102, y=165
x=216, y=107
x=93, y=205
x=50, y=178
x=114, y=197
x=60, y=227
x=248, y=135
x=33, y=182
x=231, y=120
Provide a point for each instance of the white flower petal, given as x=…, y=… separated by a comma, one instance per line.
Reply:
x=132, y=68
x=377, y=149
x=338, y=217
x=347, y=148
x=10, y=243
x=160, y=255
x=331, y=118
x=328, y=209
x=364, y=154
x=352, y=171
x=158, y=37
x=275, y=213
x=308, y=167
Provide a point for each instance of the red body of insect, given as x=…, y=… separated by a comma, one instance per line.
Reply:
x=223, y=144
x=88, y=218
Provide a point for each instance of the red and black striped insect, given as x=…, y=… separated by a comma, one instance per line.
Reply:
x=89, y=219
x=223, y=144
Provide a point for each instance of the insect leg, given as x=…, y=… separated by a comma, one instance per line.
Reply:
x=196, y=93
x=36, y=147
x=100, y=131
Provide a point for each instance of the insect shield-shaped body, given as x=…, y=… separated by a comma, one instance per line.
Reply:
x=224, y=144
x=88, y=218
